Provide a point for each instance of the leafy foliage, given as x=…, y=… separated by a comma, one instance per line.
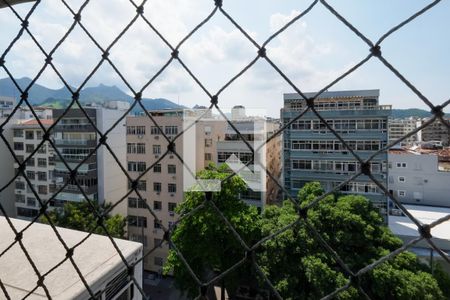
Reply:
x=79, y=216
x=295, y=261
x=204, y=239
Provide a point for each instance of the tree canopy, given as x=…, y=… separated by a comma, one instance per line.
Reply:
x=295, y=261
x=203, y=237
x=79, y=216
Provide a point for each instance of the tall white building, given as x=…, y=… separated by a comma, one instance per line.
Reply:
x=398, y=128
x=27, y=135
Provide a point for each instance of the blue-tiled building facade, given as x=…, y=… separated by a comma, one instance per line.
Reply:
x=311, y=152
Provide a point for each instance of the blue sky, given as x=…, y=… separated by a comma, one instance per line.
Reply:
x=312, y=52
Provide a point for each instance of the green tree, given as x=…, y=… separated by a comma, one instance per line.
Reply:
x=79, y=216
x=203, y=238
x=300, y=267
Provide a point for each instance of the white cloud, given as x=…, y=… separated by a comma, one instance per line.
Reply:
x=215, y=53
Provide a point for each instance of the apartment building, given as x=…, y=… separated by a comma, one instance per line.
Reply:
x=255, y=130
x=435, y=132
x=162, y=186
x=398, y=128
x=312, y=153
x=27, y=135
x=420, y=176
x=99, y=175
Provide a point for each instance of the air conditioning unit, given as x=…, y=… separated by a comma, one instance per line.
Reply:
x=171, y=195
x=157, y=193
x=140, y=136
x=171, y=213
x=156, y=137
x=174, y=177
x=155, y=231
x=156, y=156
x=170, y=156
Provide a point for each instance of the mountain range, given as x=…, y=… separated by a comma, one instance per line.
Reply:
x=40, y=95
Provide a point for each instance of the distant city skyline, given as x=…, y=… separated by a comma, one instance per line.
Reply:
x=308, y=52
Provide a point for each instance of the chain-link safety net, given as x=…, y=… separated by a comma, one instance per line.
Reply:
x=174, y=53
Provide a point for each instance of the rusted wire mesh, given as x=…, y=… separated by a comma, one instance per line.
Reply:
x=175, y=54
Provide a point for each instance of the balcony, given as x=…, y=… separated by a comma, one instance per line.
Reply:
x=67, y=142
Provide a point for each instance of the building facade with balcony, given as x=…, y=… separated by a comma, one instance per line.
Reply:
x=398, y=128
x=311, y=152
x=161, y=187
x=435, y=132
x=255, y=130
x=98, y=174
x=27, y=135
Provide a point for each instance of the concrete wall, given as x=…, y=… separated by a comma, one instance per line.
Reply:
x=7, y=161
x=112, y=183
x=423, y=182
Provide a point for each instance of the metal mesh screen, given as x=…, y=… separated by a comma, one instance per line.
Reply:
x=217, y=7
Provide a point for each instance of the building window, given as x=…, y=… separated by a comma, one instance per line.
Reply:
x=42, y=162
x=172, y=187
x=30, y=162
x=401, y=193
x=401, y=165
x=18, y=133
x=157, y=205
x=159, y=261
x=208, y=156
x=172, y=206
x=157, y=168
x=155, y=130
x=42, y=189
x=142, y=185
x=29, y=148
x=30, y=175
x=208, y=142
x=29, y=135
x=42, y=176
x=39, y=134
x=171, y=130
x=20, y=158
x=135, y=130
x=18, y=146
x=401, y=179
x=42, y=149
x=157, y=186
x=136, y=202
x=171, y=169
x=137, y=221
x=157, y=224
x=136, y=148
x=156, y=149
x=20, y=198
x=31, y=201
x=140, y=239
x=20, y=185
x=207, y=130
x=138, y=166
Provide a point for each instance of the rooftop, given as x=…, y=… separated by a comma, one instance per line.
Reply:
x=442, y=153
x=335, y=94
x=46, y=251
x=402, y=226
